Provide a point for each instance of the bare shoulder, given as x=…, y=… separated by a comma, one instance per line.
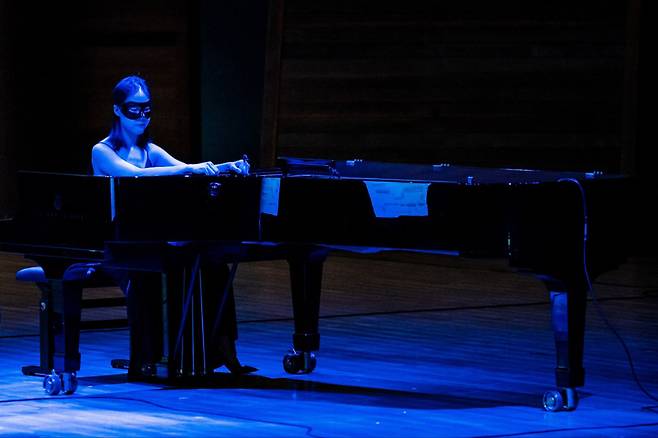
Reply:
x=102, y=158
x=103, y=145
x=102, y=148
x=155, y=148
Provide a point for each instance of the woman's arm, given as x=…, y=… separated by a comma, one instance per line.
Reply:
x=160, y=157
x=107, y=162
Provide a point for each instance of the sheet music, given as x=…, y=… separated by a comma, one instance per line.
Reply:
x=395, y=199
x=269, y=199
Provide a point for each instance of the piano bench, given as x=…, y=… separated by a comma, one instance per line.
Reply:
x=60, y=311
x=90, y=276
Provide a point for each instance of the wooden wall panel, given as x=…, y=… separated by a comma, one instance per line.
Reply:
x=6, y=129
x=150, y=38
x=62, y=61
x=65, y=60
x=481, y=83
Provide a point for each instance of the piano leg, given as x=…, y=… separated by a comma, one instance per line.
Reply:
x=305, y=280
x=568, y=311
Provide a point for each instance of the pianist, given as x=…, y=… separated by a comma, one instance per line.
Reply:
x=127, y=151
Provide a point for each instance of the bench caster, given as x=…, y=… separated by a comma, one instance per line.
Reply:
x=55, y=383
x=52, y=384
x=299, y=363
x=563, y=399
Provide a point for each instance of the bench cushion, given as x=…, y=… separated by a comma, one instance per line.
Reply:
x=90, y=273
x=33, y=273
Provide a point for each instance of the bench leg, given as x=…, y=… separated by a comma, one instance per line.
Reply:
x=59, y=328
x=67, y=299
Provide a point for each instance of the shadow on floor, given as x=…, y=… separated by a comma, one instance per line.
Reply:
x=309, y=390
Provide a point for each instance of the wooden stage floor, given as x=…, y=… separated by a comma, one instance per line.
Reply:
x=411, y=346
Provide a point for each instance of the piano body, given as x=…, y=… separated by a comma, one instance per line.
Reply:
x=566, y=227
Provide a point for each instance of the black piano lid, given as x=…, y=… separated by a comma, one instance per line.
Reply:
x=440, y=173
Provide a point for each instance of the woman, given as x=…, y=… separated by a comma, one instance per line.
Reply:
x=128, y=151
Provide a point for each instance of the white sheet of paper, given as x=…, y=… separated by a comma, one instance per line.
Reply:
x=395, y=199
x=269, y=198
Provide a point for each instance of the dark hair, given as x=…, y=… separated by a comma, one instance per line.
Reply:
x=122, y=90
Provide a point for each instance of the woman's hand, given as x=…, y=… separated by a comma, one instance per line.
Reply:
x=241, y=167
x=205, y=168
x=208, y=168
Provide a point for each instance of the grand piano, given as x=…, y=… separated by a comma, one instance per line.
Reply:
x=565, y=227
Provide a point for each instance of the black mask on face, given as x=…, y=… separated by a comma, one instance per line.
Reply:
x=135, y=110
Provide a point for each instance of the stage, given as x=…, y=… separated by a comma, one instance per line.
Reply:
x=411, y=345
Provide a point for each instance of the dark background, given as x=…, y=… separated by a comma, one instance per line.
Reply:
x=554, y=85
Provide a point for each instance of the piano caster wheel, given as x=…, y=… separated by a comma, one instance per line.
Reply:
x=69, y=383
x=55, y=383
x=52, y=384
x=121, y=364
x=564, y=399
x=299, y=363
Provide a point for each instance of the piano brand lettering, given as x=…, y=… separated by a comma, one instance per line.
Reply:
x=61, y=215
